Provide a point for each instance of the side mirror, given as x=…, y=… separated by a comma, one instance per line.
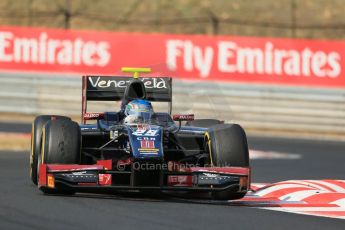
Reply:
x=183, y=117
x=93, y=116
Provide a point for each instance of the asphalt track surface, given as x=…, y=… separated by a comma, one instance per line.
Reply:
x=15, y=127
x=23, y=206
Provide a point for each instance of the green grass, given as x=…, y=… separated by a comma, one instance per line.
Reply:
x=322, y=19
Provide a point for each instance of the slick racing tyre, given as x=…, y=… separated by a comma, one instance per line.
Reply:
x=227, y=146
x=204, y=123
x=61, y=144
x=36, y=137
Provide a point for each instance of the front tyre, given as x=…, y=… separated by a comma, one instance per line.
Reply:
x=61, y=141
x=227, y=146
x=61, y=144
x=36, y=138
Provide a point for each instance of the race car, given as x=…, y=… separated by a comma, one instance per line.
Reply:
x=136, y=149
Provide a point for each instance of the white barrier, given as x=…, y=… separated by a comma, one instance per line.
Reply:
x=311, y=111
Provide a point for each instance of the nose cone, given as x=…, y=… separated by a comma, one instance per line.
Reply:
x=146, y=141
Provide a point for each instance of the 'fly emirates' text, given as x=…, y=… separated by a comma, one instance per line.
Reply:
x=230, y=57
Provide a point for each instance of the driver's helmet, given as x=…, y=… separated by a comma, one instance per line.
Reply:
x=138, y=111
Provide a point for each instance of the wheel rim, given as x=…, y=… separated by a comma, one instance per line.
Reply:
x=38, y=168
x=208, y=147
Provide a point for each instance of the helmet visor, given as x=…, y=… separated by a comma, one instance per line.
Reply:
x=142, y=117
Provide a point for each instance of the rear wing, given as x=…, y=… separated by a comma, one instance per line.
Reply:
x=112, y=88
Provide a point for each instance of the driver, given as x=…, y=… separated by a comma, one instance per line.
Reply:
x=138, y=111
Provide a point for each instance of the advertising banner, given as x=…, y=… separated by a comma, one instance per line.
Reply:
x=194, y=57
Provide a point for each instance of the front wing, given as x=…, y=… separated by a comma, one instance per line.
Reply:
x=102, y=178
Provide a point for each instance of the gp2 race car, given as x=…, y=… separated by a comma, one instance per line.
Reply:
x=201, y=157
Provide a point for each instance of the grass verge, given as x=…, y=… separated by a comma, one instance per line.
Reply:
x=14, y=142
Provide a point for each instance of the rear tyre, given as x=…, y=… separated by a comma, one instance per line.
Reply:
x=61, y=141
x=204, y=123
x=227, y=145
x=36, y=136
